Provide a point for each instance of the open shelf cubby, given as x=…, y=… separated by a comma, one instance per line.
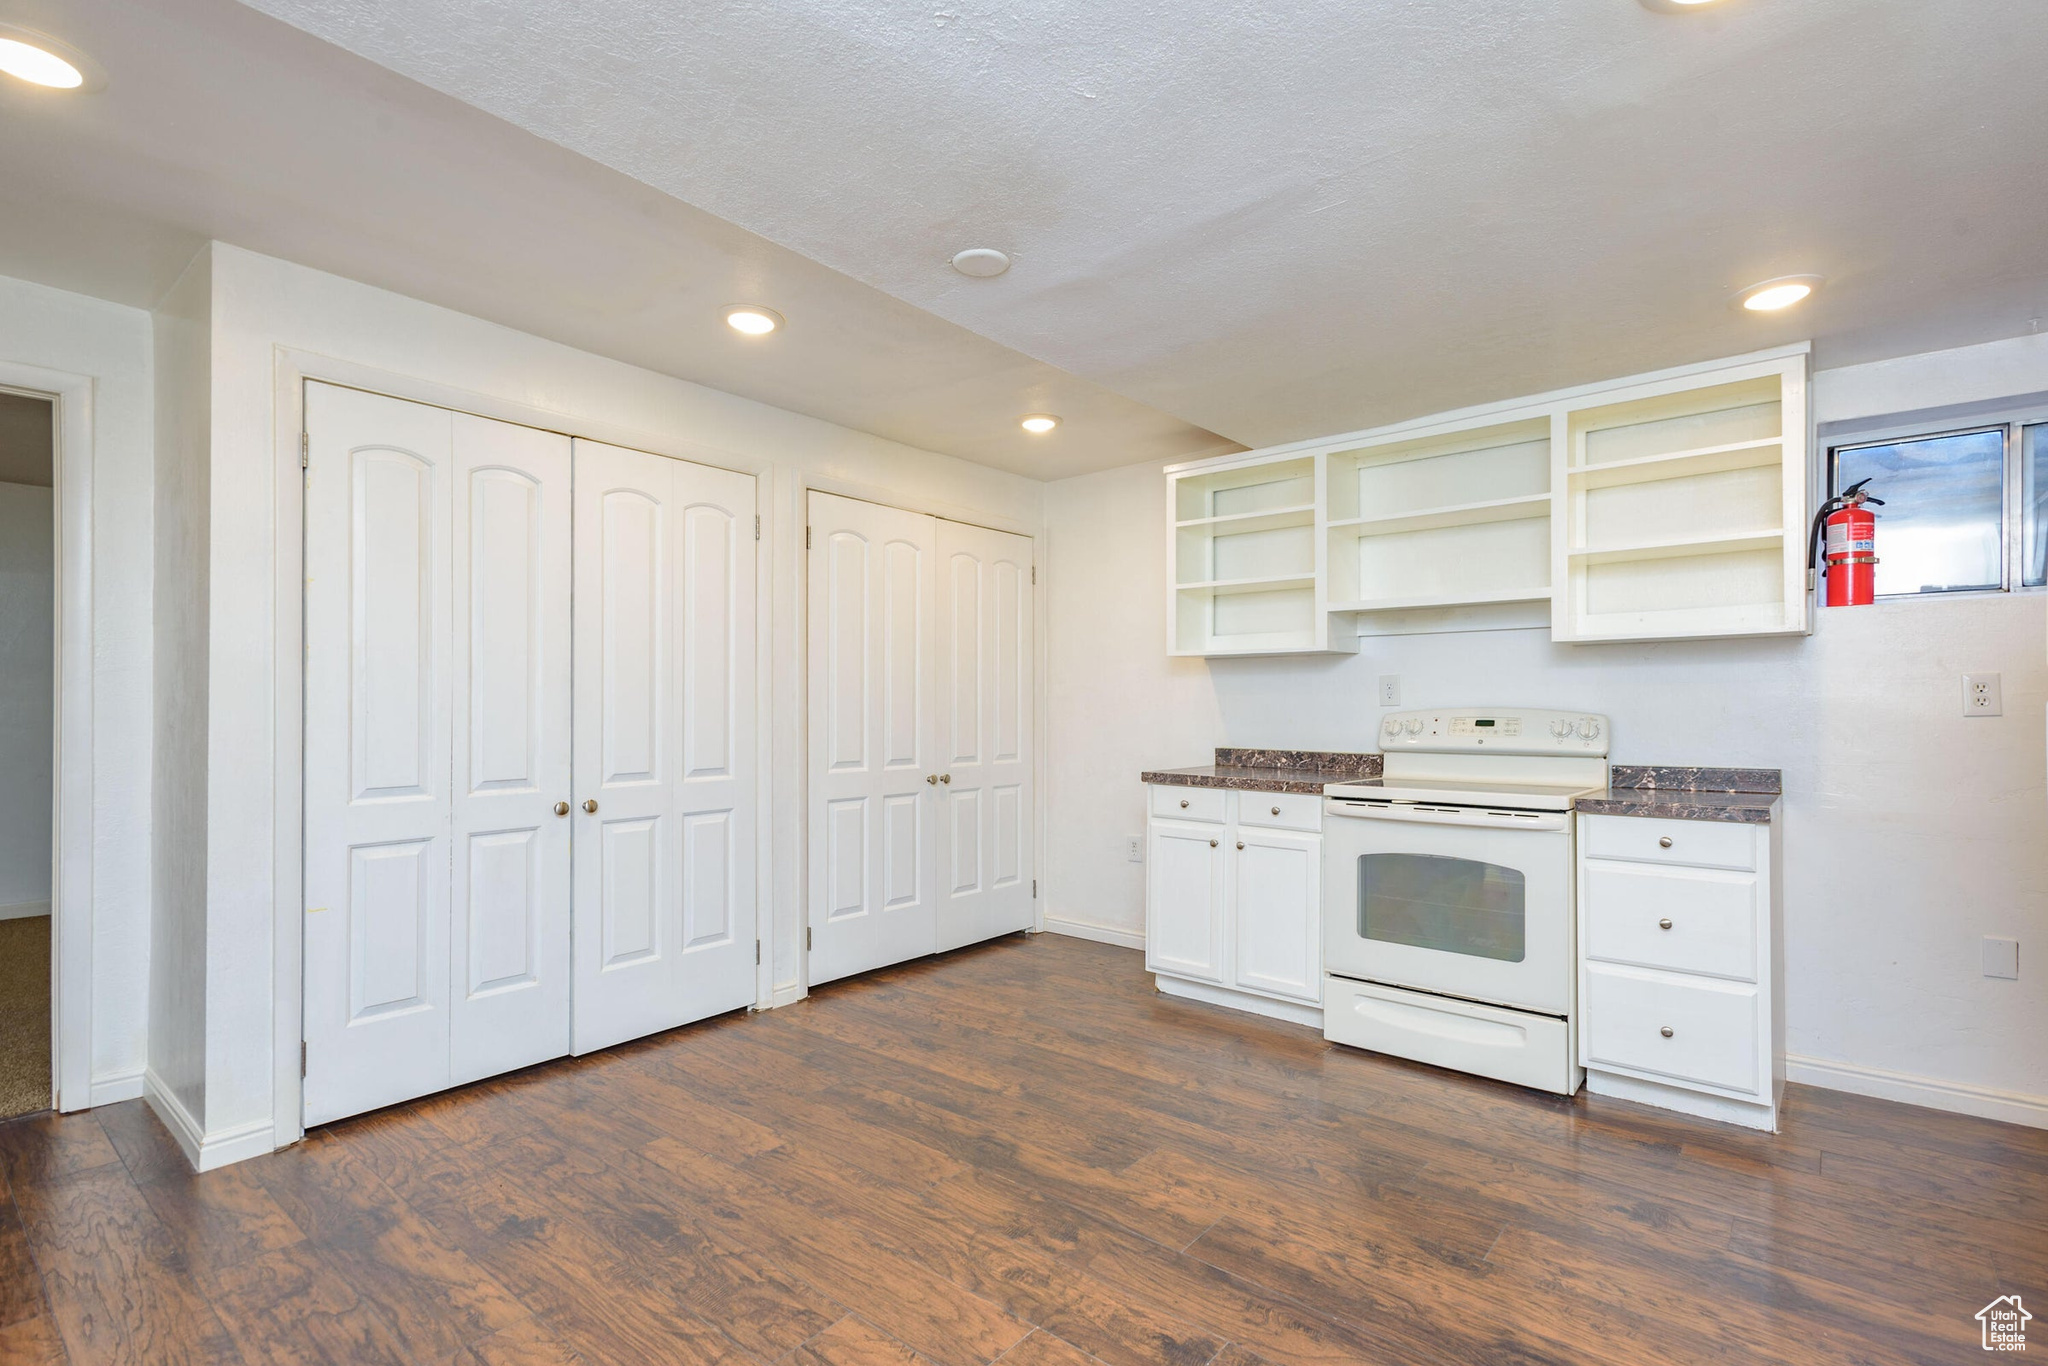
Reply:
x=1244, y=560
x=1443, y=520
x=1681, y=510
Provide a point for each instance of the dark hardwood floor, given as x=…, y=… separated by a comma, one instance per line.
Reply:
x=1021, y=1152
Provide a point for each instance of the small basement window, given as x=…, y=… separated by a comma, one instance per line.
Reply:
x=1966, y=510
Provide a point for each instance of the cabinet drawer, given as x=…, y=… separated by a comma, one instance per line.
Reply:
x=1280, y=810
x=1701, y=920
x=1713, y=1039
x=1704, y=844
x=1189, y=803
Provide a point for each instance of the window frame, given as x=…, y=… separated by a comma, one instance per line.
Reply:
x=2011, y=424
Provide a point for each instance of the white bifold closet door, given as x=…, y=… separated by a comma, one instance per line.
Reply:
x=920, y=809
x=437, y=743
x=665, y=780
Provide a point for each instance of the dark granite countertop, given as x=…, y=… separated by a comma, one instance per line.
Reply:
x=1301, y=771
x=1746, y=796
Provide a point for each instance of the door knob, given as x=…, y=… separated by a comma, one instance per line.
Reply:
x=1664, y=843
x=1664, y=924
x=945, y=777
x=561, y=808
x=932, y=779
x=590, y=805
x=1665, y=1031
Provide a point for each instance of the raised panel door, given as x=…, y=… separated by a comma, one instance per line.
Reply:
x=1184, y=901
x=1276, y=912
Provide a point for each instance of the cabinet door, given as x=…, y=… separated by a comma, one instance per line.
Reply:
x=1277, y=902
x=1184, y=901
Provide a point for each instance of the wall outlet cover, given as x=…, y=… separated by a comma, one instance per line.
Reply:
x=1390, y=690
x=1136, y=852
x=2001, y=957
x=1981, y=695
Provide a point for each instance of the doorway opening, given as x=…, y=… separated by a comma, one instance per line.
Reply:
x=28, y=594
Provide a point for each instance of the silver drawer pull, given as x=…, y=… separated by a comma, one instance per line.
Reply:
x=1664, y=924
x=1276, y=810
x=1665, y=1031
x=1213, y=843
x=1183, y=803
x=1240, y=844
x=1664, y=843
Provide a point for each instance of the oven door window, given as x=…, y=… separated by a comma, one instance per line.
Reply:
x=1453, y=905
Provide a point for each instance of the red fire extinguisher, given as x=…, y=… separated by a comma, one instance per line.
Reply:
x=1851, y=546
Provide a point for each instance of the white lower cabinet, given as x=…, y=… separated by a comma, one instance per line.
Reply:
x=1679, y=993
x=1233, y=904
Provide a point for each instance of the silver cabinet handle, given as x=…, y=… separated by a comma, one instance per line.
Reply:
x=561, y=808
x=1664, y=924
x=932, y=779
x=1183, y=803
x=1214, y=843
x=1240, y=844
x=590, y=805
x=1665, y=1031
x=1664, y=843
x=1276, y=810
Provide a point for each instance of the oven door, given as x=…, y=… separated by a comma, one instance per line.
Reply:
x=1462, y=908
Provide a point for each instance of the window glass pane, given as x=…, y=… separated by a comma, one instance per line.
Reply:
x=1453, y=904
x=2034, y=502
x=1939, y=529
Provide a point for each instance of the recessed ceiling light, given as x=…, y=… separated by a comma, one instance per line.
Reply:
x=981, y=262
x=752, y=319
x=1783, y=292
x=1038, y=424
x=40, y=59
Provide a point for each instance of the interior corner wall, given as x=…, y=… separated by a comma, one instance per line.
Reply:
x=261, y=305
x=1910, y=832
x=57, y=330
x=182, y=326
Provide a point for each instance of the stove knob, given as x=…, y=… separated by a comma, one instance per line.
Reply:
x=1589, y=728
x=1415, y=726
x=1560, y=729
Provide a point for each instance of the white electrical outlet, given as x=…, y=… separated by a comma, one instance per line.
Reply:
x=1390, y=690
x=2001, y=957
x=1981, y=695
x=1137, y=849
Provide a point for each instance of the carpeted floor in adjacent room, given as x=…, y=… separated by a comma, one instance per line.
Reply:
x=24, y=1015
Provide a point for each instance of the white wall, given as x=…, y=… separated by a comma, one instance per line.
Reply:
x=67, y=332
x=1909, y=832
x=260, y=305
x=28, y=583
x=177, y=978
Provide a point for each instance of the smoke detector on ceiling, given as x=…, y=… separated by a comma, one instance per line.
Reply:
x=982, y=263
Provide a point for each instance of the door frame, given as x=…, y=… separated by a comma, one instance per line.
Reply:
x=70, y=397
x=802, y=485
x=292, y=369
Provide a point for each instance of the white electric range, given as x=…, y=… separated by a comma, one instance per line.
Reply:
x=1448, y=920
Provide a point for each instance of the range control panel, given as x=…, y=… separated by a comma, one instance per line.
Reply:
x=1503, y=731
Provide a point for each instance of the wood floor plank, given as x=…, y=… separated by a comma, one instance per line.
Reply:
x=1021, y=1153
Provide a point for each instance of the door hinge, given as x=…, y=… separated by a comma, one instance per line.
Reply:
x=807, y=538
x=305, y=451
x=757, y=953
x=807, y=939
x=302, y=1058
x=757, y=526
x=1034, y=573
x=1034, y=889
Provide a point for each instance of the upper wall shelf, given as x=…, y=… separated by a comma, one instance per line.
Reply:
x=1667, y=505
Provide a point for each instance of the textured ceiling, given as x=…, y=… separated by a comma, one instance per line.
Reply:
x=219, y=121
x=1277, y=222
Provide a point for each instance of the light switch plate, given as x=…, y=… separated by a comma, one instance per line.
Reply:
x=1390, y=690
x=1981, y=695
x=2001, y=957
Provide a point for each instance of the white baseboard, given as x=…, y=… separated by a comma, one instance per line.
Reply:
x=1293, y=1012
x=111, y=1090
x=1101, y=934
x=22, y=910
x=206, y=1152
x=2013, y=1107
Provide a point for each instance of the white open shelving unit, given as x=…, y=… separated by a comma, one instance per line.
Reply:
x=1664, y=506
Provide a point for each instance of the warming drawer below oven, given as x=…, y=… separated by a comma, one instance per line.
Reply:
x=1489, y=1041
